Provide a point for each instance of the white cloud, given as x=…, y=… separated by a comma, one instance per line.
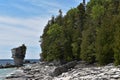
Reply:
x=30, y=23
x=16, y=31
x=51, y=7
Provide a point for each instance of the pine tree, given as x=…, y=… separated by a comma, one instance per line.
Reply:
x=88, y=43
x=88, y=32
x=116, y=44
x=59, y=18
x=104, y=42
x=55, y=38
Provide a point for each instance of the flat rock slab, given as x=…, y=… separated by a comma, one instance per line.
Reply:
x=63, y=68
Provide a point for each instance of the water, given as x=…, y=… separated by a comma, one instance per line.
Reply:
x=7, y=71
x=4, y=61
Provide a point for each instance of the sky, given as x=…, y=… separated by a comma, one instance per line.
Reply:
x=23, y=21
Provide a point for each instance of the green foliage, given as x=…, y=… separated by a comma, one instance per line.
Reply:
x=105, y=38
x=104, y=42
x=104, y=50
x=88, y=33
x=97, y=11
x=116, y=44
x=88, y=45
x=55, y=34
x=59, y=18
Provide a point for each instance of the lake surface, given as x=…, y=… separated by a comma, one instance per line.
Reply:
x=7, y=71
x=4, y=61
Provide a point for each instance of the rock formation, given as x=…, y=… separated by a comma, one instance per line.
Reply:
x=18, y=54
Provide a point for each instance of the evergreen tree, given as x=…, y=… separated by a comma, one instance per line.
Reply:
x=116, y=48
x=90, y=33
x=88, y=43
x=77, y=31
x=44, y=39
x=59, y=18
x=104, y=42
x=55, y=39
x=69, y=22
x=105, y=39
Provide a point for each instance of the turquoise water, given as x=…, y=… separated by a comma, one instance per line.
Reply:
x=5, y=72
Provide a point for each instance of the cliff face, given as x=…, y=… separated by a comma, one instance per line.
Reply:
x=18, y=54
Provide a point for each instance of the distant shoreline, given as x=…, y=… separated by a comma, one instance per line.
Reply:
x=9, y=63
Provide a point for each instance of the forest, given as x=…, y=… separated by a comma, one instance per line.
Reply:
x=88, y=33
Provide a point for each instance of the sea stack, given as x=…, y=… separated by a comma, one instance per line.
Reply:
x=18, y=54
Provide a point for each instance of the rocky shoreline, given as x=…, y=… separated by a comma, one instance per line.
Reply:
x=8, y=65
x=77, y=71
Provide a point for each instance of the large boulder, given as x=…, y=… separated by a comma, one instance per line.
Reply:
x=18, y=54
x=63, y=68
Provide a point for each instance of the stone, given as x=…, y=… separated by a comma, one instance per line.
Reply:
x=115, y=76
x=26, y=61
x=29, y=76
x=8, y=65
x=18, y=54
x=1, y=66
x=42, y=71
x=51, y=64
x=64, y=68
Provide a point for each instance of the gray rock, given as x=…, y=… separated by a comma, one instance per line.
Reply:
x=18, y=54
x=26, y=69
x=64, y=68
x=42, y=72
x=29, y=76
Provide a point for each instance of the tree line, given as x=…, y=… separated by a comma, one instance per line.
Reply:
x=88, y=32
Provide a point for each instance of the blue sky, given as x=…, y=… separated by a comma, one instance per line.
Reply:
x=23, y=21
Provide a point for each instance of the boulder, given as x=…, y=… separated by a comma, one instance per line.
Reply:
x=26, y=61
x=63, y=68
